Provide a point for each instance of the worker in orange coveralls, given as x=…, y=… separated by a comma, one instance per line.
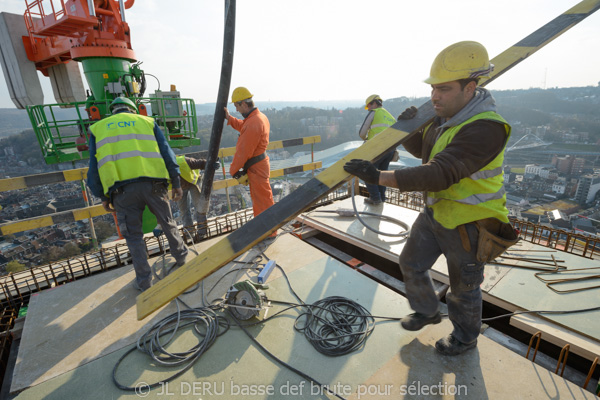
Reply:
x=250, y=156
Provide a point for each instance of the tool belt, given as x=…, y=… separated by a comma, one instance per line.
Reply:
x=248, y=164
x=494, y=238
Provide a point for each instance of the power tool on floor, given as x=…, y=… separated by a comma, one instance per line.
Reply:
x=245, y=300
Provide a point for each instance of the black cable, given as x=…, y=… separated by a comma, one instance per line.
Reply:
x=540, y=312
x=151, y=344
x=281, y=362
x=336, y=325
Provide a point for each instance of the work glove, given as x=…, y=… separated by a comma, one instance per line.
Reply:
x=364, y=169
x=177, y=194
x=409, y=113
x=239, y=174
x=217, y=163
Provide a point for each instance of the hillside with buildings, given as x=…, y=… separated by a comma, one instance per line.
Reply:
x=552, y=174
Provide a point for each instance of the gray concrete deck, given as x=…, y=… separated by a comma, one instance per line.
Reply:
x=512, y=288
x=74, y=335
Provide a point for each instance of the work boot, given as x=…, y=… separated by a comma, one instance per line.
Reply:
x=450, y=346
x=136, y=286
x=416, y=321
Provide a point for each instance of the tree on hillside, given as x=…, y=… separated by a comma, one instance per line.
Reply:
x=104, y=230
x=14, y=266
x=71, y=249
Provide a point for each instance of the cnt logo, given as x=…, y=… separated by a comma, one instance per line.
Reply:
x=120, y=124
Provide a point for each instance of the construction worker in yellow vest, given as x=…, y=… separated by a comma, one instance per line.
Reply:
x=131, y=165
x=462, y=154
x=377, y=120
x=189, y=167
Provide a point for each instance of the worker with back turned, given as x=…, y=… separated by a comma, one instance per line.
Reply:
x=131, y=165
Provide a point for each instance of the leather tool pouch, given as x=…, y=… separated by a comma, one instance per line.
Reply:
x=494, y=238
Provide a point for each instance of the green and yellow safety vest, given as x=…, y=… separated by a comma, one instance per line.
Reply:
x=127, y=149
x=190, y=175
x=479, y=196
x=382, y=120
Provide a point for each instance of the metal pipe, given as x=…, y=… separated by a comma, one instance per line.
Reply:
x=91, y=8
x=122, y=8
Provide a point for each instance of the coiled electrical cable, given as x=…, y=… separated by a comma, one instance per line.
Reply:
x=335, y=325
x=206, y=325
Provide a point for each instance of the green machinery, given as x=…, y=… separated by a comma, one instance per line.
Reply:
x=62, y=129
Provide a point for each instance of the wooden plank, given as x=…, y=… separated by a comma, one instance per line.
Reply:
x=47, y=220
x=558, y=335
x=78, y=174
x=29, y=181
x=329, y=179
x=275, y=173
x=277, y=144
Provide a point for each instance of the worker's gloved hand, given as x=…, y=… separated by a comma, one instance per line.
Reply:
x=108, y=207
x=217, y=163
x=239, y=174
x=177, y=194
x=364, y=169
x=409, y=113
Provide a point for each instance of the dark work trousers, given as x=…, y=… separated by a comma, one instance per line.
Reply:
x=130, y=202
x=191, y=197
x=426, y=242
x=377, y=192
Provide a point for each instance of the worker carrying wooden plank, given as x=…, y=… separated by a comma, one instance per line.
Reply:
x=462, y=154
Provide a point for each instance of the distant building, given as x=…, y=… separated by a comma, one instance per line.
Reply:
x=542, y=170
x=588, y=187
x=559, y=186
x=568, y=165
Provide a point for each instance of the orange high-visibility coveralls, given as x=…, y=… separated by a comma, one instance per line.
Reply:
x=253, y=141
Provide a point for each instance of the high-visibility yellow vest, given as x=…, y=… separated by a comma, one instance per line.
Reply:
x=382, y=120
x=127, y=149
x=190, y=175
x=479, y=196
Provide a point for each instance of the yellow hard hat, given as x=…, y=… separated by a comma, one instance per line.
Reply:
x=461, y=60
x=370, y=99
x=240, y=93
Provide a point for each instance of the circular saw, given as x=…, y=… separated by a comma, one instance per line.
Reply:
x=245, y=300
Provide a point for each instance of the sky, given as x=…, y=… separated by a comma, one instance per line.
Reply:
x=310, y=50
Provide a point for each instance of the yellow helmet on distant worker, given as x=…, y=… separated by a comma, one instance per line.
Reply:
x=370, y=99
x=461, y=60
x=240, y=93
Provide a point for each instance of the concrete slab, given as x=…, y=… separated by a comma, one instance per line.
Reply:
x=522, y=289
x=20, y=73
x=512, y=288
x=391, y=360
x=351, y=230
x=67, y=84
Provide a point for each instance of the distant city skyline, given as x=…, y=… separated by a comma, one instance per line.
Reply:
x=342, y=50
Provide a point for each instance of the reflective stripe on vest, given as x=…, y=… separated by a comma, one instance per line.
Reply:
x=126, y=148
x=190, y=175
x=481, y=195
x=381, y=121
